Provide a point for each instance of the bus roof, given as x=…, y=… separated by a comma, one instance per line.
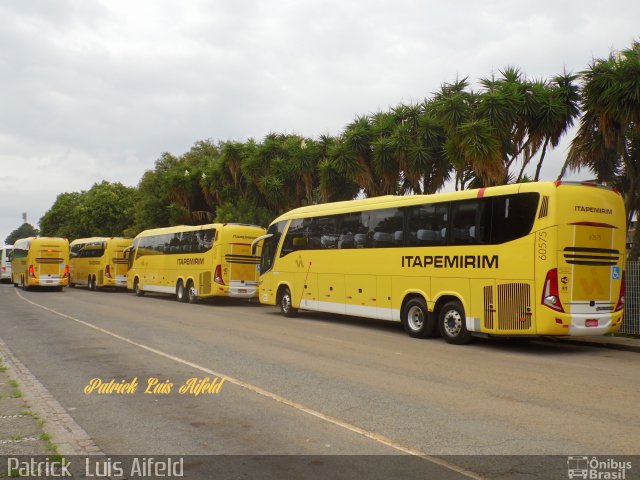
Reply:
x=37, y=240
x=192, y=228
x=396, y=200
x=389, y=201
x=96, y=239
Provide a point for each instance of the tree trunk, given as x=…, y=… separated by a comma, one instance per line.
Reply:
x=539, y=167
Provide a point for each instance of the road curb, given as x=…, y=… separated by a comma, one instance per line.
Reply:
x=615, y=343
x=69, y=437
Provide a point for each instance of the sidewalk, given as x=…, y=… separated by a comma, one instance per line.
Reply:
x=32, y=422
x=22, y=432
x=615, y=342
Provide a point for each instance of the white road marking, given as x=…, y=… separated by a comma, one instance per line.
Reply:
x=273, y=396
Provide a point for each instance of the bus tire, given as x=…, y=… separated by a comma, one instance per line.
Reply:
x=92, y=284
x=136, y=288
x=181, y=294
x=453, y=324
x=192, y=297
x=416, y=319
x=25, y=287
x=285, y=301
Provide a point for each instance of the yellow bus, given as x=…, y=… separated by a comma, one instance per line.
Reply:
x=99, y=262
x=541, y=258
x=40, y=261
x=194, y=262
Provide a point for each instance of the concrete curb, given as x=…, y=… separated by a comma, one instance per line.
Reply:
x=615, y=343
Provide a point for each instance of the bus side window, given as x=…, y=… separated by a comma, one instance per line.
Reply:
x=352, y=230
x=513, y=216
x=385, y=228
x=293, y=239
x=427, y=224
x=469, y=223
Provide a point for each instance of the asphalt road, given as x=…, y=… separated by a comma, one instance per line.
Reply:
x=316, y=384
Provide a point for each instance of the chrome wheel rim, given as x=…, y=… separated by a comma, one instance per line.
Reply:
x=452, y=323
x=286, y=303
x=415, y=318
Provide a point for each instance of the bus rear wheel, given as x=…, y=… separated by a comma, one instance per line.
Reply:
x=181, y=295
x=192, y=295
x=136, y=288
x=285, y=302
x=92, y=284
x=416, y=319
x=453, y=324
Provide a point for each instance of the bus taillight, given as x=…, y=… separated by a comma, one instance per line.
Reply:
x=620, y=304
x=66, y=271
x=32, y=272
x=107, y=271
x=217, y=277
x=550, y=292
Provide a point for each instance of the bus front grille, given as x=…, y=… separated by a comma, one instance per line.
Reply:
x=514, y=306
x=597, y=257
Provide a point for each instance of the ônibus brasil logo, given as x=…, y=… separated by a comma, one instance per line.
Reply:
x=597, y=469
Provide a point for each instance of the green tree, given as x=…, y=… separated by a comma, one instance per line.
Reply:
x=104, y=210
x=23, y=231
x=62, y=219
x=608, y=138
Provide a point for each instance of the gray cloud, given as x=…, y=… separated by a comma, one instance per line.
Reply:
x=97, y=90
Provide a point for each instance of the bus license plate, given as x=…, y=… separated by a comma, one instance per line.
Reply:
x=242, y=290
x=592, y=322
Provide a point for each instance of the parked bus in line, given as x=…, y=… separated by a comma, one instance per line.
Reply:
x=98, y=262
x=193, y=262
x=5, y=263
x=541, y=258
x=40, y=261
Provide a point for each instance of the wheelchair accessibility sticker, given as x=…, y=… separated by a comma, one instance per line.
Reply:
x=615, y=272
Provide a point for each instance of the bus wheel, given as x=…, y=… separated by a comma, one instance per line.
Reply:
x=453, y=324
x=285, y=303
x=25, y=287
x=92, y=284
x=136, y=288
x=181, y=295
x=416, y=319
x=191, y=292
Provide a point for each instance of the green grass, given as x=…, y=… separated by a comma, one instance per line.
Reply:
x=50, y=445
x=15, y=392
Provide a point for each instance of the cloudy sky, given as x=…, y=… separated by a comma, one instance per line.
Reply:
x=93, y=90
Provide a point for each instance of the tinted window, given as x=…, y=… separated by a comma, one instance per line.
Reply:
x=469, y=222
x=386, y=228
x=296, y=238
x=322, y=233
x=427, y=224
x=353, y=230
x=270, y=246
x=513, y=216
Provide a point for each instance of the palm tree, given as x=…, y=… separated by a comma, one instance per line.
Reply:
x=608, y=139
